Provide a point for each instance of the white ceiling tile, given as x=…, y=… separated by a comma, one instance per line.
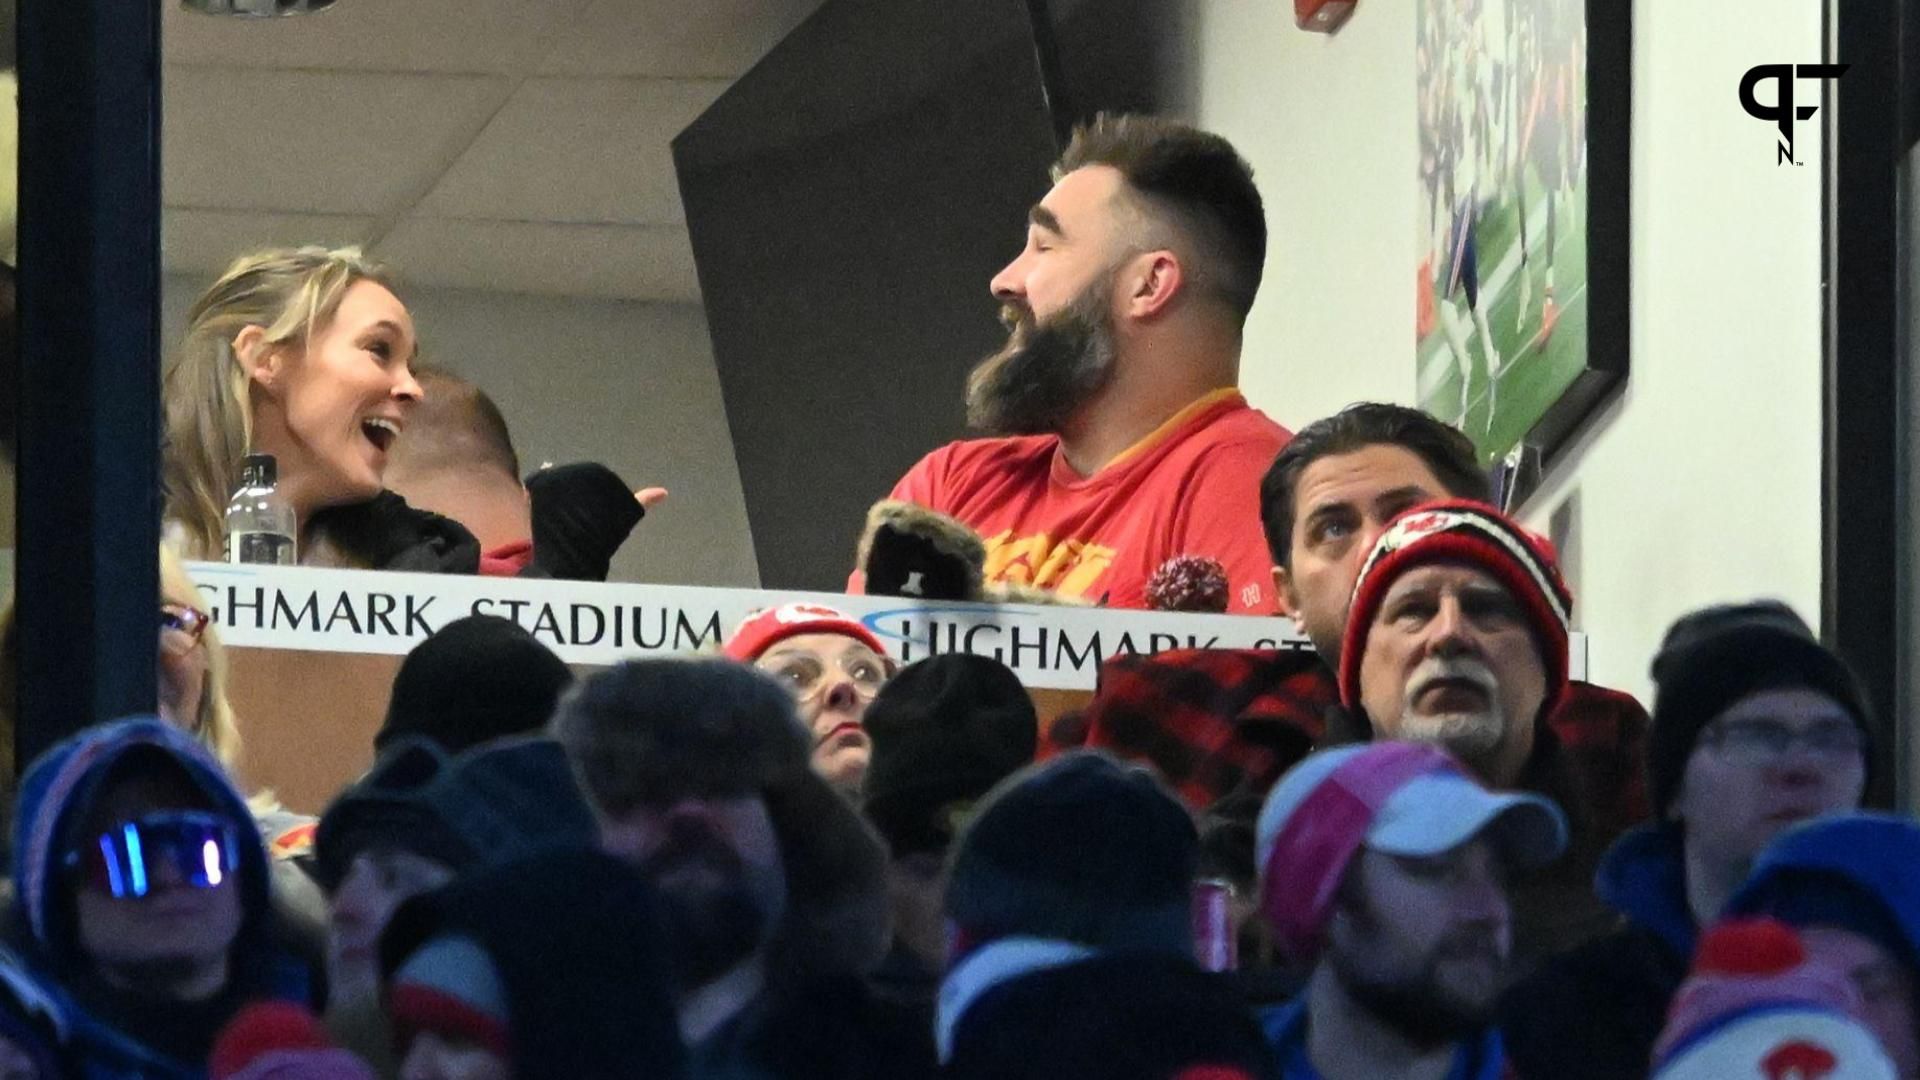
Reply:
x=714, y=38
x=614, y=261
x=386, y=35
x=327, y=142
x=587, y=151
x=206, y=241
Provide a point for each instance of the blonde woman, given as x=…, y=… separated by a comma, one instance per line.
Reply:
x=193, y=666
x=305, y=354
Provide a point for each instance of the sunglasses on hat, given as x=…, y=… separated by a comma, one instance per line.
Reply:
x=201, y=848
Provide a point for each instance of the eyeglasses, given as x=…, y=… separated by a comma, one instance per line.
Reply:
x=201, y=848
x=182, y=627
x=1760, y=742
x=805, y=673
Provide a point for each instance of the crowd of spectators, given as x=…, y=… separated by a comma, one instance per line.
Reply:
x=1417, y=849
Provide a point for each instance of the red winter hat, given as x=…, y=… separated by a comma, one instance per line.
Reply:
x=763, y=628
x=1473, y=534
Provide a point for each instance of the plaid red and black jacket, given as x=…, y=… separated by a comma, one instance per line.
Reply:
x=1225, y=722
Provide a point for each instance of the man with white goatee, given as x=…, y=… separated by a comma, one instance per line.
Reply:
x=1457, y=637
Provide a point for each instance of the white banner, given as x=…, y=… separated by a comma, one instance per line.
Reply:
x=359, y=611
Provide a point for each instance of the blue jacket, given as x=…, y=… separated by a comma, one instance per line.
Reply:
x=56, y=793
x=1485, y=1058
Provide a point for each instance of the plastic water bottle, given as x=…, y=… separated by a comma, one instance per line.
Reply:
x=260, y=525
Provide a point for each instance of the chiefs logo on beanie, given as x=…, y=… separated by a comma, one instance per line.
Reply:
x=763, y=629
x=1471, y=534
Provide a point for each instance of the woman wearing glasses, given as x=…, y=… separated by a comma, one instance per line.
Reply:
x=834, y=666
x=193, y=666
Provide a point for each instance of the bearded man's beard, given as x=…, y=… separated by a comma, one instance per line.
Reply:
x=1048, y=369
x=718, y=910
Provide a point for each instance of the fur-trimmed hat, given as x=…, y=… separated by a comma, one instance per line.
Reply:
x=909, y=550
x=647, y=733
x=1472, y=534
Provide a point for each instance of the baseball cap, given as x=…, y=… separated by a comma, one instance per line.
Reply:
x=1397, y=798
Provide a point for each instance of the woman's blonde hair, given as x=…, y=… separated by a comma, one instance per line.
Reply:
x=213, y=725
x=289, y=293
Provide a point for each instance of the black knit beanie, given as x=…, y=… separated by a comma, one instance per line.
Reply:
x=945, y=731
x=478, y=678
x=1712, y=658
x=1084, y=848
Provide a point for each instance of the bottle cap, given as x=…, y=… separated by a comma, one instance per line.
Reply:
x=260, y=470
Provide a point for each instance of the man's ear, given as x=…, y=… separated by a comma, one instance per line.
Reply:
x=1156, y=278
x=257, y=357
x=1283, y=589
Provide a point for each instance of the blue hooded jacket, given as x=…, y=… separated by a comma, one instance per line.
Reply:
x=55, y=796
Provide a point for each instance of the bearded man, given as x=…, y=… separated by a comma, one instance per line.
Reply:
x=1120, y=439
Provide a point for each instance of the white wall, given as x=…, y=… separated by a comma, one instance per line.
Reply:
x=1702, y=483
x=628, y=384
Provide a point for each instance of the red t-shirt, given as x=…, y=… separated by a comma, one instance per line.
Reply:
x=1192, y=487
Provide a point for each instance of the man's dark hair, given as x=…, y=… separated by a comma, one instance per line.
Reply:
x=1194, y=179
x=456, y=426
x=1445, y=450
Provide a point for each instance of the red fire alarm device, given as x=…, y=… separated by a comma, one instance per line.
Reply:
x=1322, y=16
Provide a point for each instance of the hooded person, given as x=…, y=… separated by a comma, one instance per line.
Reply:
x=1756, y=725
x=1756, y=1006
x=582, y=992
x=143, y=899
x=1849, y=885
x=413, y=823
x=945, y=731
x=698, y=772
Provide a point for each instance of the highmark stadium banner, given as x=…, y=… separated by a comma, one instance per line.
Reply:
x=593, y=623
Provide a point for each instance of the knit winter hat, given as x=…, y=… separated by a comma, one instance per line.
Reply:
x=278, y=1040
x=763, y=629
x=945, y=731
x=450, y=986
x=1755, y=1007
x=498, y=801
x=1712, y=658
x=1857, y=872
x=1082, y=848
x=1395, y=797
x=1473, y=534
x=477, y=678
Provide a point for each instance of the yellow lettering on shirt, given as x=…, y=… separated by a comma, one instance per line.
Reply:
x=1070, y=567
